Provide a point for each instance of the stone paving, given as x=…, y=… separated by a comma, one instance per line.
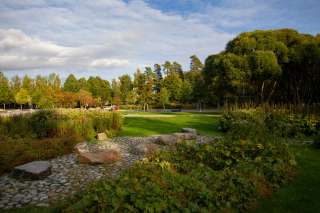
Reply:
x=68, y=176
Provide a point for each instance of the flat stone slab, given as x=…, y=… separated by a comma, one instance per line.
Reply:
x=34, y=170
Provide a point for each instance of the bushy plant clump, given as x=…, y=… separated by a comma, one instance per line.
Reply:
x=227, y=175
x=276, y=123
x=49, y=123
x=47, y=134
x=15, y=152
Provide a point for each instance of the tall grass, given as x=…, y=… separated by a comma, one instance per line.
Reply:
x=49, y=133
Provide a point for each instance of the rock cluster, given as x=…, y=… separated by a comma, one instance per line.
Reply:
x=68, y=175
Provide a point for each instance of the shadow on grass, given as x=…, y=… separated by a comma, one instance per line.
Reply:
x=301, y=195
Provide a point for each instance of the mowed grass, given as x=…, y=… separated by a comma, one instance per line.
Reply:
x=146, y=124
x=301, y=195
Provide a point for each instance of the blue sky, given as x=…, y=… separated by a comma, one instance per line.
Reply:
x=113, y=37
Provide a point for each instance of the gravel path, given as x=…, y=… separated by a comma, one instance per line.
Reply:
x=68, y=176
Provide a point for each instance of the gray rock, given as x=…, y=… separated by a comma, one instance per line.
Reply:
x=185, y=136
x=189, y=130
x=33, y=171
x=168, y=139
x=144, y=148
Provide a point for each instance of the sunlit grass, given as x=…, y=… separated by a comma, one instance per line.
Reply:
x=145, y=124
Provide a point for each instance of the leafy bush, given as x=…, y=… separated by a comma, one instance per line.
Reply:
x=221, y=176
x=245, y=124
x=47, y=134
x=43, y=123
x=14, y=152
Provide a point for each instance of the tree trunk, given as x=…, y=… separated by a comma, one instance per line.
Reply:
x=272, y=91
x=21, y=107
x=4, y=106
x=261, y=95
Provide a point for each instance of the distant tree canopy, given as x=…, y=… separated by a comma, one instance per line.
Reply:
x=271, y=66
x=281, y=66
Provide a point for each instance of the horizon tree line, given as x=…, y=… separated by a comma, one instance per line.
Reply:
x=263, y=66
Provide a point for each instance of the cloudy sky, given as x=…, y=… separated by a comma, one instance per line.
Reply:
x=113, y=37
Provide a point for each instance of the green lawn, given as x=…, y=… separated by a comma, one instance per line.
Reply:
x=145, y=124
x=301, y=195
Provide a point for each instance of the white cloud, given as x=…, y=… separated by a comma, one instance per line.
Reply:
x=105, y=62
x=100, y=35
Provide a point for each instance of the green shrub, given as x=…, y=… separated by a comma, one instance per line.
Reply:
x=48, y=133
x=279, y=124
x=216, y=177
x=14, y=152
x=43, y=123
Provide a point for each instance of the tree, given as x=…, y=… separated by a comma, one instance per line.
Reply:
x=5, y=92
x=177, y=68
x=125, y=87
x=83, y=84
x=224, y=75
x=66, y=99
x=159, y=78
x=27, y=83
x=195, y=64
x=148, y=87
x=173, y=83
x=85, y=98
x=115, y=88
x=186, y=92
x=164, y=97
x=71, y=84
x=23, y=97
x=54, y=82
x=264, y=70
x=167, y=67
x=196, y=79
x=15, y=84
x=139, y=85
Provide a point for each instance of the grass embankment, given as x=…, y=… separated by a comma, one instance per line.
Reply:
x=146, y=124
x=301, y=195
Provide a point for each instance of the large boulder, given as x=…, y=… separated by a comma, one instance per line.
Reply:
x=99, y=157
x=189, y=130
x=145, y=149
x=34, y=170
x=168, y=139
x=99, y=153
x=185, y=136
x=102, y=136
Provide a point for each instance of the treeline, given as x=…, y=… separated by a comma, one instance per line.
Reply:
x=272, y=66
x=157, y=86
